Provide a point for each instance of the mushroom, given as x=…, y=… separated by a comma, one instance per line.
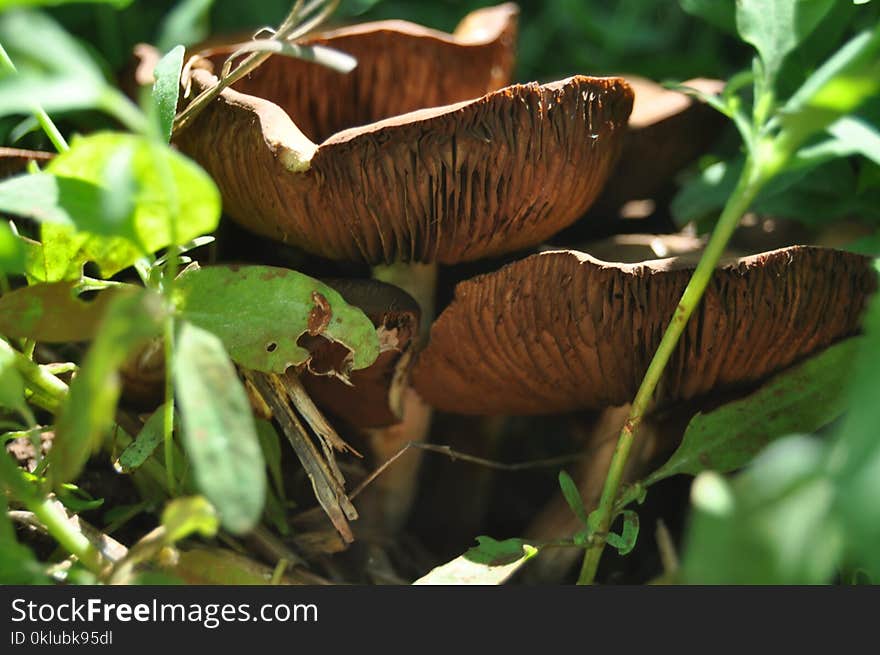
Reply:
x=560, y=331
x=372, y=398
x=447, y=184
x=401, y=67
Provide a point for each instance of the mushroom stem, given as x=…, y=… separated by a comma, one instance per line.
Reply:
x=396, y=492
x=752, y=179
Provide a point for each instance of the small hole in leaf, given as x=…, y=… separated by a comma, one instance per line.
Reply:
x=271, y=346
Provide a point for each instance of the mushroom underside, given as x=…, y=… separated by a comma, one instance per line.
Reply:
x=450, y=184
x=561, y=331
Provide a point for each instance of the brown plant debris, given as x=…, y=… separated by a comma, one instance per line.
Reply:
x=401, y=67
x=446, y=184
x=560, y=330
x=15, y=160
x=324, y=474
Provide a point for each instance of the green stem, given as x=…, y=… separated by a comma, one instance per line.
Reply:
x=751, y=180
x=50, y=515
x=45, y=385
x=168, y=408
x=289, y=30
x=40, y=114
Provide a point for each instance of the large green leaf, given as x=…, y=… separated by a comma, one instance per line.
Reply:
x=90, y=408
x=47, y=198
x=218, y=430
x=53, y=312
x=174, y=201
x=489, y=563
x=63, y=252
x=801, y=399
x=772, y=525
x=166, y=89
x=259, y=312
x=121, y=196
x=776, y=27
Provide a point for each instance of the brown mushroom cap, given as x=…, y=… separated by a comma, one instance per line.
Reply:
x=447, y=184
x=401, y=67
x=667, y=131
x=374, y=396
x=561, y=331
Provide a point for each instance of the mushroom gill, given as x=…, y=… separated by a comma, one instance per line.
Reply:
x=561, y=331
x=447, y=184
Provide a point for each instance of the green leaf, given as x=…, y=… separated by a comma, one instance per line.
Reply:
x=47, y=198
x=259, y=312
x=166, y=89
x=185, y=516
x=776, y=27
x=11, y=251
x=800, y=399
x=218, y=430
x=174, y=202
x=270, y=444
x=773, y=524
x=186, y=24
x=89, y=410
x=837, y=88
x=64, y=251
x=490, y=563
x=54, y=313
x=54, y=70
x=111, y=185
x=146, y=442
x=572, y=496
x=858, y=452
x=626, y=541
x=34, y=40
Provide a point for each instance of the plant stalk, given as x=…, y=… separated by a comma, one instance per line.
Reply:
x=289, y=30
x=752, y=179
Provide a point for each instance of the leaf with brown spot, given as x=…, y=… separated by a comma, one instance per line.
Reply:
x=261, y=312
